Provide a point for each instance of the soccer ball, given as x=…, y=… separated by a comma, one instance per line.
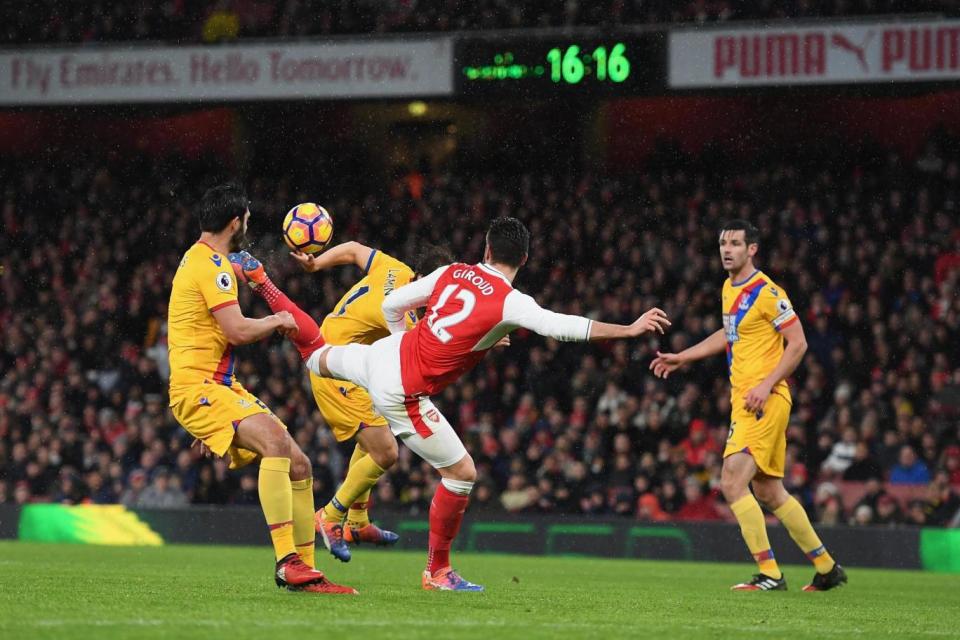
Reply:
x=308, y=228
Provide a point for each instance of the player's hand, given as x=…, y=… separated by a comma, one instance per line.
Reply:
x=306, y=261
x=756, y=398
x=288, y=326
x=502, y=342
x=204, y=450
x=653, y=320
x=665, y=364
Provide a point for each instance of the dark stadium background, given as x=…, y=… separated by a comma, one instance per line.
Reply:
x=854, y=187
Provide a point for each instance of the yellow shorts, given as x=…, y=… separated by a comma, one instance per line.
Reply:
x=763, y=435
x=211, y=412
x=346, y=407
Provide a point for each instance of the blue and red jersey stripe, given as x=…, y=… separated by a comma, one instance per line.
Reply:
x=224, y=373
x=739, y=311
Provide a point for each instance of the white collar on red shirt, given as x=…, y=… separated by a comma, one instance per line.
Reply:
x=495, y=272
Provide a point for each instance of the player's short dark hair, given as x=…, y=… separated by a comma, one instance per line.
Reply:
x=220, y=205
x=431, y=257
x=509, y=241
x=751, y=235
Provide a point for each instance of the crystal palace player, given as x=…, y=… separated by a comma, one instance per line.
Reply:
x=205, y=322
x=757, y=317
x=469, y=309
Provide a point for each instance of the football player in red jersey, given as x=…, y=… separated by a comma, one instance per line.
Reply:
x=469, y=309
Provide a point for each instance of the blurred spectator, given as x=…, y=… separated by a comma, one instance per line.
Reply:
x=909, y=469
x=942, y=501
x=888, y=511
x=864, y=467
x=163, y=492
x=843, y=452
x=697, y=506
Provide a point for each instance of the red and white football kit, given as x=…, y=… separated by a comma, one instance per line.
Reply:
x=469, y=309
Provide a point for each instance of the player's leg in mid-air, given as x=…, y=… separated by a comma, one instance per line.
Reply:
x=248, y=269
x=349, y=413
x=754, y=457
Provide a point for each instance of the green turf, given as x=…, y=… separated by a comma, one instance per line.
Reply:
x=72, y=591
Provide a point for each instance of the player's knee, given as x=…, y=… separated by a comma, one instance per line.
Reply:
x=300, y=467
x=385, y=457
x=772, y=495
x=763, y=494
x=275, y=441
x=732, y=486
x=465, y=470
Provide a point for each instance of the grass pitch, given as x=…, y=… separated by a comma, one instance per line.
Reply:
x=69, y=591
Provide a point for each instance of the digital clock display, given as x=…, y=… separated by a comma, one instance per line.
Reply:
x=615, y=66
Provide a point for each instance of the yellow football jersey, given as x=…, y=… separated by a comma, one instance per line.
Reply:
x=358, y=317
x=755, y=310
x=199, y=350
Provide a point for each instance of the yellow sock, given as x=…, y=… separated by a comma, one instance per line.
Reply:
x=304, y=534
x=276, y=499
x=362, y=474
x=754, y=531
x=357, y=515
x=794, y=518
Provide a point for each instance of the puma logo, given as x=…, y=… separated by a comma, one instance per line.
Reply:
x=859, y=51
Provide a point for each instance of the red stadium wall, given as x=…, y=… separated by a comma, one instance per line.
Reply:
x=745, y=125
x=191, y=134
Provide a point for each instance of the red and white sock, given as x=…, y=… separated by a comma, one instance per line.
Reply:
x=308, y=338
x=446, y=513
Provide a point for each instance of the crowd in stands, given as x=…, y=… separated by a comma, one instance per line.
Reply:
x=59, y=21
x=869, y=253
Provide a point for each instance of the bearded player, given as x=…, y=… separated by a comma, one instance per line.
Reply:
x=347, y=408
x=757, y=319
x=204, y=324
x=470, y=309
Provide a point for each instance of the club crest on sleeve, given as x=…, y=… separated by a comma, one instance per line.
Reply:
x=432, y=415
x=224, y=281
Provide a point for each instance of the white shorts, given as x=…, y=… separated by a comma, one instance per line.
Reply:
x=415, y=420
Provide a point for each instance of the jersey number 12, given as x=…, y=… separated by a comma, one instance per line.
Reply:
x=439, y=326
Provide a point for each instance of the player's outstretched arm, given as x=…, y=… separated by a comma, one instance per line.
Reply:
x=653, y=320
x=520, y=310
x=242, y=330
x=346, y=253
x=666, y=363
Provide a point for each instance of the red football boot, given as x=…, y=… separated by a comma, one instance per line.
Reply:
x=292, y=572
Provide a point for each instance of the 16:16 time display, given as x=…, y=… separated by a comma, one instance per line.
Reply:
x=570, y=65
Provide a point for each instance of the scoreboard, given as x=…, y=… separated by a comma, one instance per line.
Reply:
x=528, y=66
